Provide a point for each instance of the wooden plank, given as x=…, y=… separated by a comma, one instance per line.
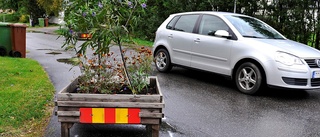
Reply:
x=151, y=115
x=69, y=119
x=146, y=110
x=108, y=97
x=68, y=113
x=146, y=121
x=155, y=130
x=65, y=129
x=60, y=108
x=70, y=87
x=109, y=104
x=158, y=89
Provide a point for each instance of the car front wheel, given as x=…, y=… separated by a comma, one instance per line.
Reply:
x=162, y=60
x=248, y=78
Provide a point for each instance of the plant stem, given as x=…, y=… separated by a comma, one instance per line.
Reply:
x=99, y=59
x=124, y=63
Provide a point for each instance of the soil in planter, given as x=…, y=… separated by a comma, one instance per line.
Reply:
x=123, y=90
x=147, y=91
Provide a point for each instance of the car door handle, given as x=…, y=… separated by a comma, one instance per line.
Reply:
x=197, y=40
x=170, y=36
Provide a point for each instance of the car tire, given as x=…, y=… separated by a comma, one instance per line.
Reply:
x=248, y=78
x=162, y=60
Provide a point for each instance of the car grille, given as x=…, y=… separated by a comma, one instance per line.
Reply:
x=315, y=82
x=295, y=81
x=312, y=63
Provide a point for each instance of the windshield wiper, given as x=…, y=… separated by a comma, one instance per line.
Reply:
x=276, y=38
x=248, y=36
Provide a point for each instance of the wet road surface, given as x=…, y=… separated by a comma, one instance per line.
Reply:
x=197, y=104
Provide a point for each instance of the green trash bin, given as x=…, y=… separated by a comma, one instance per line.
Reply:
x=41, y=22
x=5, y=39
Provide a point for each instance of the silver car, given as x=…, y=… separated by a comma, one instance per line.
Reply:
x=241, y=47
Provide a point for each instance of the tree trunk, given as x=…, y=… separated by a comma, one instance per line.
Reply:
x=317, y=46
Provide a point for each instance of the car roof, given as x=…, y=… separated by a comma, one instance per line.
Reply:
x=208, y=12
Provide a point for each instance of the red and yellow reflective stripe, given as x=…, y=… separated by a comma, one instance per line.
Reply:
x=134, y=114
x=110, y=115
x=98, y=115
x=85, y=115
x=121, y=115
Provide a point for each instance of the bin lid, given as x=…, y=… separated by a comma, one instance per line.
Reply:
x=4, y=24
x=18, y=25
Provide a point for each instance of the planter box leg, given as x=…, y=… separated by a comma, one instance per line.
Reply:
x=153, y=130
x=65, y=129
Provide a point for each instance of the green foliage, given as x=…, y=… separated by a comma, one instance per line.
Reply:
x=293, y=18
x=34, y=10
x=25, y=94
x=111, y=22
x=107, y=21
x=10, y=4
x=24, y=19
x=23, y=8
x=51, y=6
x=14, y=17
x=139, y=68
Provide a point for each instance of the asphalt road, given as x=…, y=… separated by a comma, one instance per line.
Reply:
x=197, y=104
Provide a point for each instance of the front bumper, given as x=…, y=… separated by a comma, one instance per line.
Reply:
x=298, y=77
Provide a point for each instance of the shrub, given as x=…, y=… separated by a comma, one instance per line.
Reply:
x=107, y=21
x=24, y=19
x=14, y=17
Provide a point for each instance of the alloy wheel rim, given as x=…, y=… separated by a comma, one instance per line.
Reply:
x=247, y=78
x=161, y=60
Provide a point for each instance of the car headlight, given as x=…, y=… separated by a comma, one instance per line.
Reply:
x=288, y=59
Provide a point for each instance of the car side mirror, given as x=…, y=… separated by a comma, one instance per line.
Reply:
x=222, y=33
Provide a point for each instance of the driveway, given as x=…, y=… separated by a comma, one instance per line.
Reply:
x=197, y=103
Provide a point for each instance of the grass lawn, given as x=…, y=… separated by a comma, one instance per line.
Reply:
x=143, y=42
x=26, y=95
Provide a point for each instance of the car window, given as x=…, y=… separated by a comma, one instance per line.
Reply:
x=210, y=24
x=253, y=28
x=172, y=22
x=186, y=23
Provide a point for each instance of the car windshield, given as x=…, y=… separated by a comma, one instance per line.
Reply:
x=253, y=28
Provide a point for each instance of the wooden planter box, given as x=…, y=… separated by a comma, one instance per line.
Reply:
x=109, y=109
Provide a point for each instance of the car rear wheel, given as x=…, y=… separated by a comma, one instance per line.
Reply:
x=162, y=60
x=248, y=78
